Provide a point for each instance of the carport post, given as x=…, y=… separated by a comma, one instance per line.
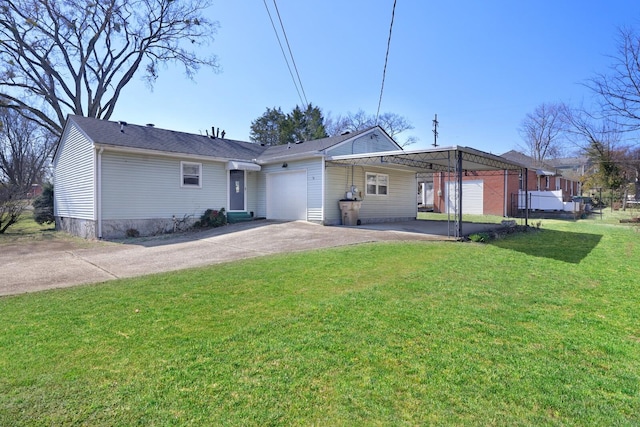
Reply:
x=459, y=177
x=526, y=196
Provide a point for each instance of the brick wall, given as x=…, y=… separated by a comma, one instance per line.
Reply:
x=496, y=201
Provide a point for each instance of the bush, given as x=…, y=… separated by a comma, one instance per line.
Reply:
x=480, y=237
x=213, y=218
x=43, y=206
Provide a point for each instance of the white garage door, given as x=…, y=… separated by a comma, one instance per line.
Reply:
x=472, y=197
x=287, y=195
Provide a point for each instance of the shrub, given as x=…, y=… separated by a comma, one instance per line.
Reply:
x=132, y=232
x=480, y=237
x=213, y=218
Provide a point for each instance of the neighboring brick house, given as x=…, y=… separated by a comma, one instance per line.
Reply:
x=553, y=175
x=496, y=192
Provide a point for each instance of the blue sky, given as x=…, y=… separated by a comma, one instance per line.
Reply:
x=480, y=65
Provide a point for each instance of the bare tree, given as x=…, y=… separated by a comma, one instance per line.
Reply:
x=612, y=162
x=13, y=203
x=543, y=132
x=619, y=89
x=76, y=56
x=392, y=123
x=25, y=150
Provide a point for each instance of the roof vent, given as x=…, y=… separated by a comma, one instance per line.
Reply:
x=122, y=125
x=345, y=133
x=299, y=142
x=151, y=125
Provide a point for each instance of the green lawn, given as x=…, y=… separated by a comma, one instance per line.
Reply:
x=541, y=328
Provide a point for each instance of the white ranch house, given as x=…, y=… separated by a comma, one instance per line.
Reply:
x=110, y=177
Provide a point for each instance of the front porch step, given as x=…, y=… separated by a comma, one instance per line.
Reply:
x=233, y=217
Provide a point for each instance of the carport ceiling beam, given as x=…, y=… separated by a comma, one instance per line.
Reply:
x=489, y=163
x=414, y=163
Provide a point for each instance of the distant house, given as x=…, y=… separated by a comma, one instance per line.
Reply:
x=110, y=177
x=573, y=168
x=501, y=192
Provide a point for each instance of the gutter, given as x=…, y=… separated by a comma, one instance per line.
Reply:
x=289, y=157
x=117, y=148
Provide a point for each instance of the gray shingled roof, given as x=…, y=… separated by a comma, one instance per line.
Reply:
x=315, y=146
x=528, y=161
x=152, y=138
x=109, y=133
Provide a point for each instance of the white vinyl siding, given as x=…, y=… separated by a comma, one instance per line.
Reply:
x=145, y=187
x=364, y=144
x=74, y=178
x=400, y=202
x=251, y=178
x=313, y=168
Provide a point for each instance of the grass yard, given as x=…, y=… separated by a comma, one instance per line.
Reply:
x=541, y=328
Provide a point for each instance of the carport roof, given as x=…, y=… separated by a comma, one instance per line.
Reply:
x=441, y=159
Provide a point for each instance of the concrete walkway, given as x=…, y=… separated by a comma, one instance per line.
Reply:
x=48, y=267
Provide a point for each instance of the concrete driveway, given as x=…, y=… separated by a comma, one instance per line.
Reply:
x=34, y=268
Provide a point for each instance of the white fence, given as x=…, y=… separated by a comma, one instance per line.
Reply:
x=547, y=201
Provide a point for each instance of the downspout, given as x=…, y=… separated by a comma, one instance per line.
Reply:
x=323, y=175
x=505, y=213
x=99, y=193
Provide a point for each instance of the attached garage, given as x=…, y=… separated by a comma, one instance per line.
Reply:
x=472, y=197
x=287, y=195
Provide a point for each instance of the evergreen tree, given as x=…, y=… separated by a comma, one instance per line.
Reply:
x=268, y=128
x=43, y=206
x=276, y=128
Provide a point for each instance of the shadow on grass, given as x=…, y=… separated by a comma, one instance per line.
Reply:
x=559, y=245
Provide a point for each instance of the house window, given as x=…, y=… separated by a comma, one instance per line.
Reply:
x=190, y=174
x=558, y=185
x=520, y=181
x=546, y=181
x=377, y=184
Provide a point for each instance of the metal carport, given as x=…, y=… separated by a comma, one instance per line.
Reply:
x=455, y=160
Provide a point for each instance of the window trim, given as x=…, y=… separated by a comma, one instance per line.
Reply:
x=377, y=193
x=182, y=175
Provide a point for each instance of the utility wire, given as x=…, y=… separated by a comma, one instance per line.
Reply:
x=283, y=52
x=291, y=54
x=386, y=59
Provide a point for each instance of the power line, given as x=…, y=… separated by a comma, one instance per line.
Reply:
x=386, y=59
x=283, y=52
x=291, y=54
